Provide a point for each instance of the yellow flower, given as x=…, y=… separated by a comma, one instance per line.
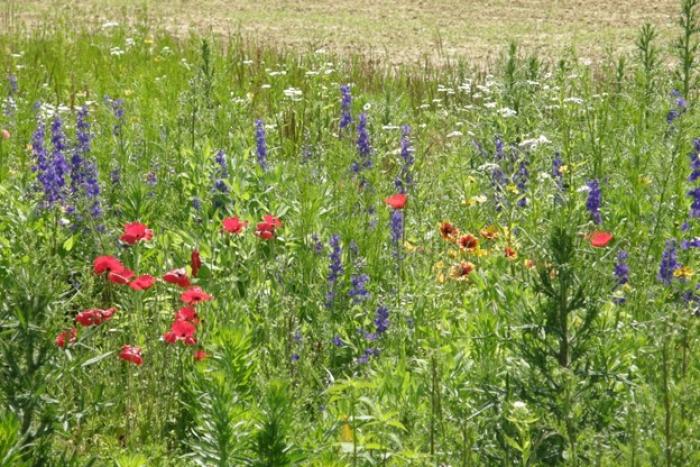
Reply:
x=683, y=272
x=512, y=188
x=489, y=232
x=475, y=200
x=346, y=432
x=148, y=40
x=410, y=247
x=563, y=169
x=645, y=180
x=128, y=92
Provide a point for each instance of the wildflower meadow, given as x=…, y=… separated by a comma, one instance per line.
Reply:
x=220, y=253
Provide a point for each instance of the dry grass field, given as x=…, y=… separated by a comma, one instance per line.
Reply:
x=396, y=31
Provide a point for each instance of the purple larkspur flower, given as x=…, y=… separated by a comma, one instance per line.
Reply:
x=345, y=103
x=669, y=263
x=521, y=178
x=364, y=149
x=404, y=181
x=337, y=341
x=261, y=144
x=593, y=201
x=396, y=230
x=358, y=291
x=381, y=320
x=622, y=270
x=335, y=268
x=694, y=195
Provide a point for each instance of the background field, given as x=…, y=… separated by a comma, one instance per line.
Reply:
x=398, y=31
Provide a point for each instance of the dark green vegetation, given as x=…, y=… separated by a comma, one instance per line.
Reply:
x=528, y=338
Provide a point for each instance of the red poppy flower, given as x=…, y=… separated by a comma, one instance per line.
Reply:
x=177, y=277
x=94, y=316
x=234, y=225
x=600, y=239
x=468, y=242
x=187, y=313
x=181, y=331
x=143, y=282
x=200, y=355
x=70, y=337
x=130, y=353
x=135, y=232
x=397, y=201
x=272, y=220
x=195, y=295
x=265, y=230
x=510, y=253
x=120, y=277
x=104, y=264
x=195, y=262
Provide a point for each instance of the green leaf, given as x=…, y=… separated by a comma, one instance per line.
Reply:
x=97, y=359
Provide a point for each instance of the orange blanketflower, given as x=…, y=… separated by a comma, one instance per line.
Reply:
x=448, y=231
x=468, y=242
x=510, y=253
x=489, y=232
x=462, y=270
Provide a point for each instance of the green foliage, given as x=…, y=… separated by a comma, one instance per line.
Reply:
x=492, y=331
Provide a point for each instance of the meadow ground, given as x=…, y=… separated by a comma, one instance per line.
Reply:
x=217, y=251
x=398, y=31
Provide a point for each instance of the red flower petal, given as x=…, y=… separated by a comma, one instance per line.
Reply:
x=130, y=353
x=70, y=336
x=121, y=277
x=104, y=264
x=194, y=295
x=234, y=225
x=135, y=232
x=195, y=262
x=143, y=282
x=177, y=277
x=200, y=355
x=397, y=201
x=600, y=239
x=274, y=221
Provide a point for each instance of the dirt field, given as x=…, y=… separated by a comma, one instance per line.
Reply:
x=398, y=30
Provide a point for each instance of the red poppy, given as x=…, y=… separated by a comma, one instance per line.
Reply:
x=135, y=232
x=600, y=239
x=468, y=242
x=120, y=277
x=94, y=316
x=130, y=353
x=104, y=264
x=70, y=337
x=195, y=262
x=272, y=220
x=143, y=282
x=177, y=277
x=234, y=225
x=510, y=253
x=187, y=313
x=194, y=295
x=181, y=331
x=397, y=201
x=200, y=355
x=265, y=230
